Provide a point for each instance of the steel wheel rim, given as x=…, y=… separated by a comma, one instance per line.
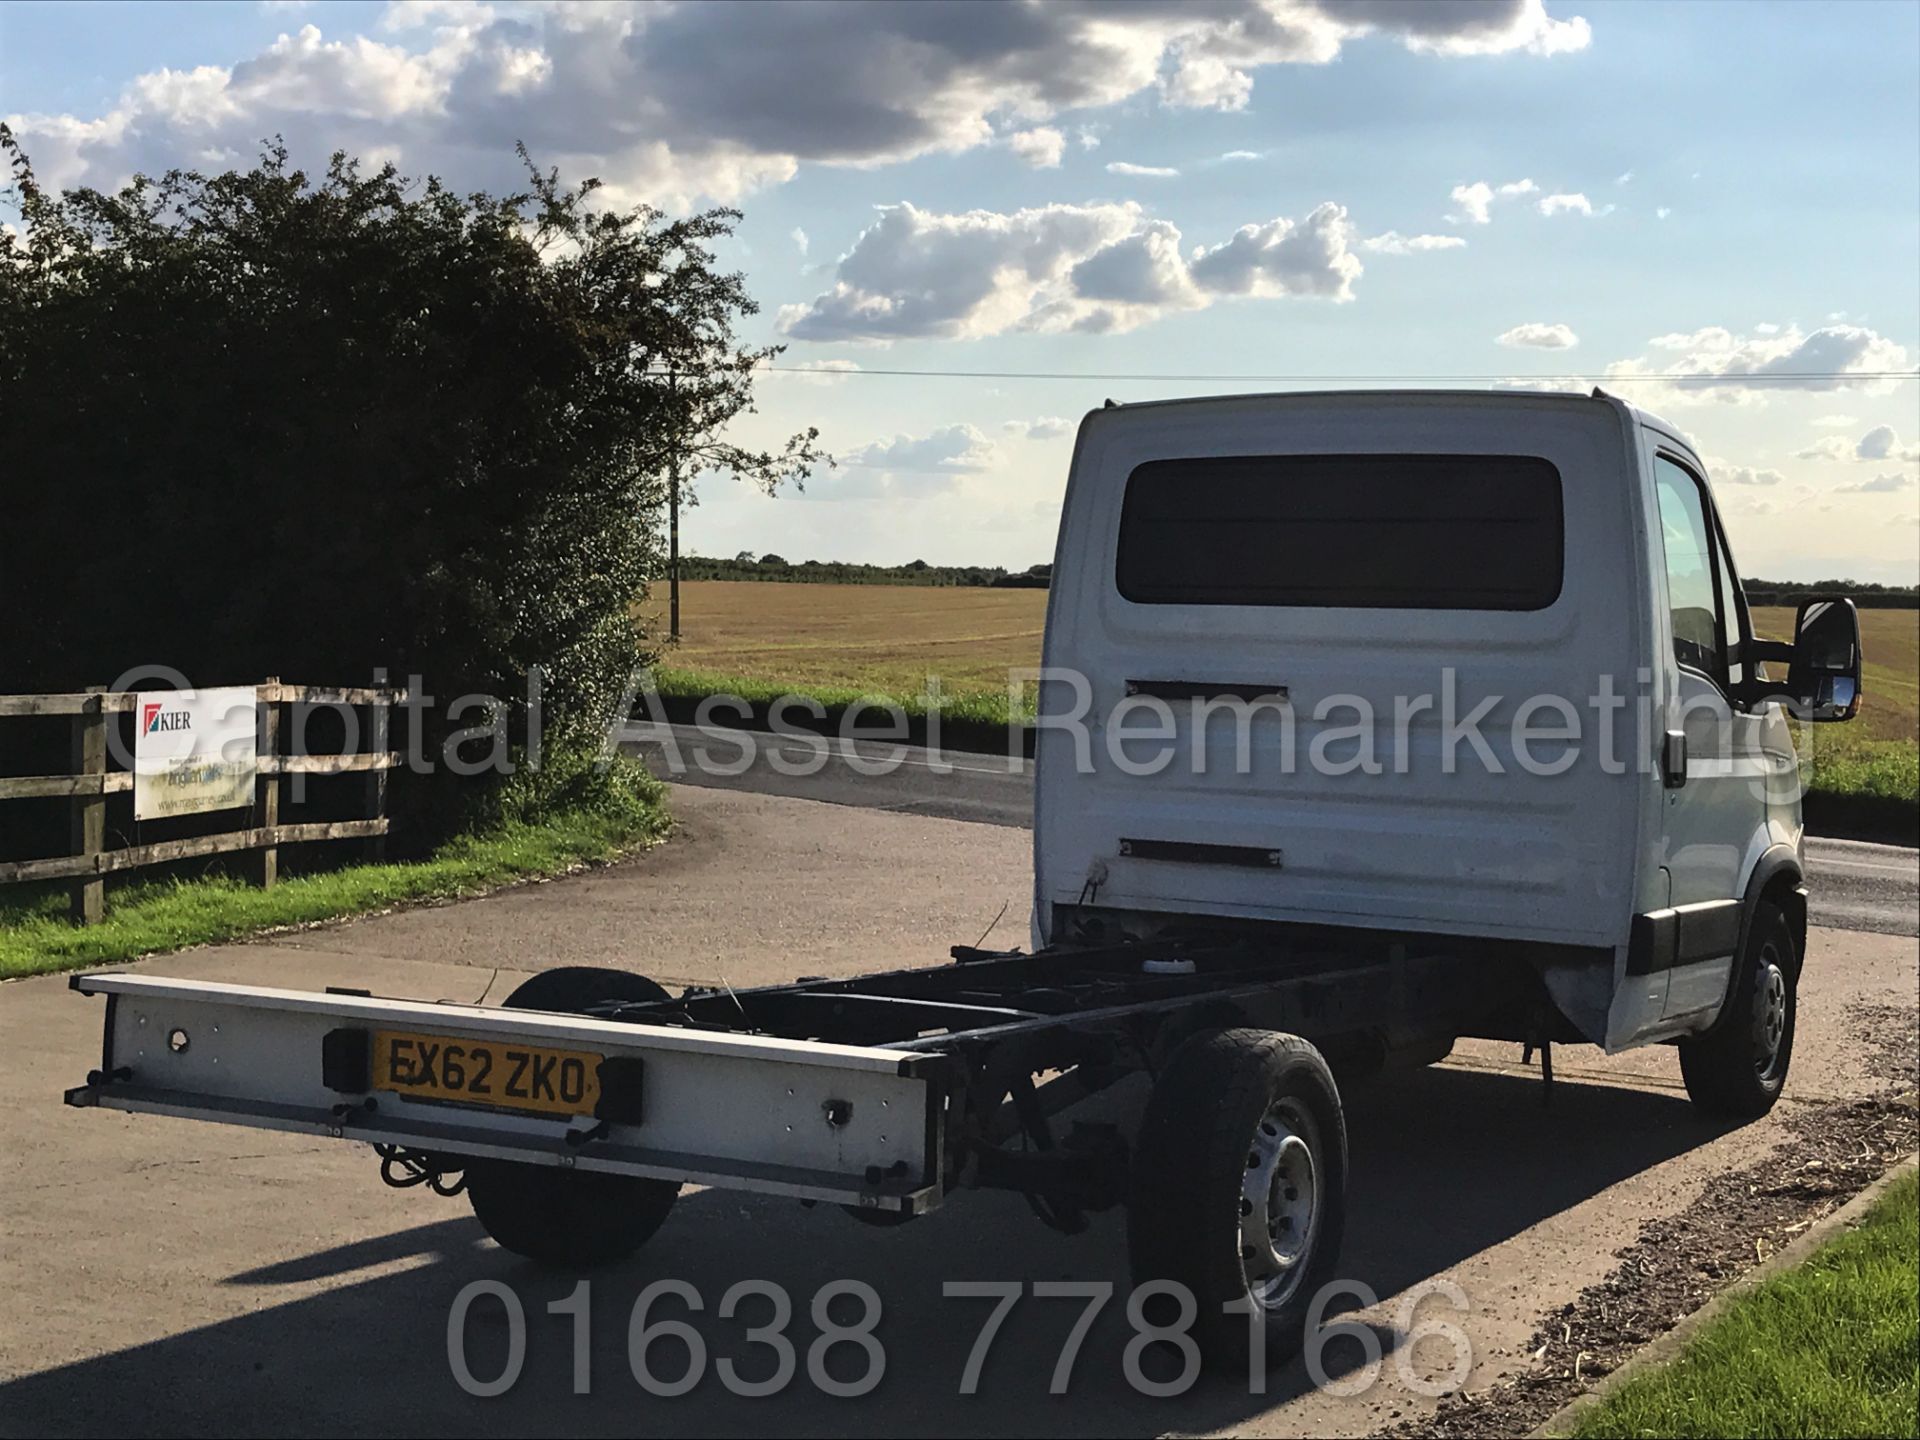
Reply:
x=1769, y=1014
x=1280, y=1204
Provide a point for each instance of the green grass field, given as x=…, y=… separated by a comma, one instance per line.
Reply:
x=147, y=916
x=1878, y=753
x=842, y=642
x=1826, y=1348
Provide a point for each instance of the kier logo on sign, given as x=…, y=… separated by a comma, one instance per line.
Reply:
x=155, y=719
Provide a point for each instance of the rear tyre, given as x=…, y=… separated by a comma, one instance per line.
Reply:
x=1737, y=1069
x=574, y=989
x=1239, y=1188
x=567, y=1219
x=570, y=1219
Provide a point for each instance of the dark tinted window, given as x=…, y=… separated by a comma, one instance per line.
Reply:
x=1415, y=532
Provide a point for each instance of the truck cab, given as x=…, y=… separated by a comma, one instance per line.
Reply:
x=1473, y=666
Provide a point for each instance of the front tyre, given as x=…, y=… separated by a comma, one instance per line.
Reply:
x=565, y=1218
x=1239, y=1187
x=1737, y=1069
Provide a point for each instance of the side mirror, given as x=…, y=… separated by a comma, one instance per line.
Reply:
x=1823, y=681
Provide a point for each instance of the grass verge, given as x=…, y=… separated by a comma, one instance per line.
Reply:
x=148, y=916
x=1826, y=1348
x=964, y=707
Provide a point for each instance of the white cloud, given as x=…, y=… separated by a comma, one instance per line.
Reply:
x=1127, y=283
x=799, y=238
x=907, y=467
x=1572, y=203
x=818, y=372
x=1625, y=177
x=949, y=450
x=1738, y=369
x=1244, y=155
x=1284, y=257
x=1155, y=172
x=1475, y=201
x=671, y=102
x=1550, y=384
x=1041, y=147
x=1093, y=268
x=1047, y=427
x=1394, y=243
x=1882, y=442
x=1891, y=483
x=1661, y=212
x=1722, y=473
x=1537, y=336
x=1206, y=82
x=1835, y=422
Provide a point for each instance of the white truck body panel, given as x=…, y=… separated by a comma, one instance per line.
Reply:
x=1565, y=858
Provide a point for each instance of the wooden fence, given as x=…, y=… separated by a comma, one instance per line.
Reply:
x=87, y=788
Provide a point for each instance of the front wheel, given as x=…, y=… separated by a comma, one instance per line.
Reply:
x=1239, y=1186
x=1737, y=1069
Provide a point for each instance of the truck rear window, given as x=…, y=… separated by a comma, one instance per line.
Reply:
x=1413, y=532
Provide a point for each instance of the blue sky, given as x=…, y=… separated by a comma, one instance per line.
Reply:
x=1713, y=188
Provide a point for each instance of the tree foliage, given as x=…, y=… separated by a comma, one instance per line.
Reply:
x=266, y=422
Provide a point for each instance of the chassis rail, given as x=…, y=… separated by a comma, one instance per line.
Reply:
x=880, y=1092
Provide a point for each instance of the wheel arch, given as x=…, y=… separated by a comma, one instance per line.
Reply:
x=1778, y=878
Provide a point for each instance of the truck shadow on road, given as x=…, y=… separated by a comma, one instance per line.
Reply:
x=1446, y=1164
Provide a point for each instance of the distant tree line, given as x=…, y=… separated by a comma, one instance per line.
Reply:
x=1866, y=594
x=748, y=566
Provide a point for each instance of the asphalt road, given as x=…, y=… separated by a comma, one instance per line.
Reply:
x=1856, y=886
x=170, y=1277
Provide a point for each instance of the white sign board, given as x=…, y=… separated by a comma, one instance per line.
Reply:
x=193, y=750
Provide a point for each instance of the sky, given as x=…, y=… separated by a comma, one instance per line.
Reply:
x=1083, y=201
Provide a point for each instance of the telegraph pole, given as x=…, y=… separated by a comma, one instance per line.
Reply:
x=673, y=515
x=673, y=546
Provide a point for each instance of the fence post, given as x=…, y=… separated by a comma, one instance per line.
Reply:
x=377, y=744
x=89, y=812
x=266, y=789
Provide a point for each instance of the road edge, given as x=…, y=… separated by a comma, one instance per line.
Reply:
x=1666, y=1348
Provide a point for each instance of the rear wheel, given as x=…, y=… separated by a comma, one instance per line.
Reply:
x=570, y=1219
x=1738, y=1068
x=1239, y=1192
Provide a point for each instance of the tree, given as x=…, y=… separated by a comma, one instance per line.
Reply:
x=263, y=422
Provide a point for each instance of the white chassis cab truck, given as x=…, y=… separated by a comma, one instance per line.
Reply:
x=1369, y=721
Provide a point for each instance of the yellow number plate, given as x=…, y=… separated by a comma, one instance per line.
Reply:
x=486, y=1072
